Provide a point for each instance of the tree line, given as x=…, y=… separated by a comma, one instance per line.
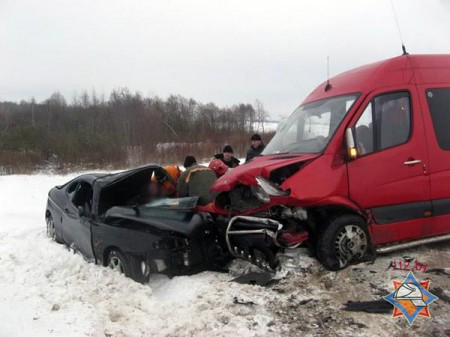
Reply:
x=125, y=130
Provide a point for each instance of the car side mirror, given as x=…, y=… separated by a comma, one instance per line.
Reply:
x=81, y=211
x=352, y=151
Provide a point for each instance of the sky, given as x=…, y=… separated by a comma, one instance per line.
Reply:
x=225, y=52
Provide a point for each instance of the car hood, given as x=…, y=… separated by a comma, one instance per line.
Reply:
x=259, y=167
x=184, y=222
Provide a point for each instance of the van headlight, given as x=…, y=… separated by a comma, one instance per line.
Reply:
x=260, y=194
x=266, y=188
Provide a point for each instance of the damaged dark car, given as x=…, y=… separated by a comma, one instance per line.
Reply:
x=105, y=218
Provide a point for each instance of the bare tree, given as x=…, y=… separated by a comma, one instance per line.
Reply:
x=92, y=129
x=261, y=114
x=57, y=99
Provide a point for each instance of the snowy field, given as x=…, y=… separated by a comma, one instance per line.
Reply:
x=45, y=290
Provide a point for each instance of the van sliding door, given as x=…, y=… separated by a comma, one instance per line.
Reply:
x=436, y=107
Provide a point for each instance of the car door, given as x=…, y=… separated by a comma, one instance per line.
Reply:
x=389, y=178
x=78, y=228
x=69, y=214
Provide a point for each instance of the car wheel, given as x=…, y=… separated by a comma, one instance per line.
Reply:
x=51, y=232
x=345, y=240
x=129, y=265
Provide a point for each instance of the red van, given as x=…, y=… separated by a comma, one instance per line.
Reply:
x=362, y=166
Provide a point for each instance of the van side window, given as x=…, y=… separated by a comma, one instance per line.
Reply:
x=393, y=116
x=439, y=104
x=386, y=122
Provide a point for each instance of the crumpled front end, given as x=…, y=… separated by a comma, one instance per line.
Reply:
x=263, y=216
x=257, y=240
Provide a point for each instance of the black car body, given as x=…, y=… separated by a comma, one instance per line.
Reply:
x=99, y=216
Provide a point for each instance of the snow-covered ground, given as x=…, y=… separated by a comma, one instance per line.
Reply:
x=45, y=290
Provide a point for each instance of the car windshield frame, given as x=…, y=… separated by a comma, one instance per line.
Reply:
x=302, y=132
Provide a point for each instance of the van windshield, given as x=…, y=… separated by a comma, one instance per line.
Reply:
x=311, y=126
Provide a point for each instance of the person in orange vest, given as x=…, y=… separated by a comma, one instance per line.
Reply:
x=167, y=179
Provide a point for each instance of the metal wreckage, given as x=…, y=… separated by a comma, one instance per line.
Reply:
x=360, y=168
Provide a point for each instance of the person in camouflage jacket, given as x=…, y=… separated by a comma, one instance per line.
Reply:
x=196, y=181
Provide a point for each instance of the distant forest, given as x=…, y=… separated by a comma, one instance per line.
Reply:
x=125, y=130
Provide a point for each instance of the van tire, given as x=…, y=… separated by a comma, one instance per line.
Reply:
x=131, y=266
x=344, y=241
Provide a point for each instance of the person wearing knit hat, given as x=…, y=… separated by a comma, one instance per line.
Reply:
x=227, y=149
x=189, y=161
x=257, y=146
x=227, y=157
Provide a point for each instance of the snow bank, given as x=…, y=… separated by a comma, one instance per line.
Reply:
x=46, y=290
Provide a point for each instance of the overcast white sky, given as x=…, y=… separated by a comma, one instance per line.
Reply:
x=226, y=52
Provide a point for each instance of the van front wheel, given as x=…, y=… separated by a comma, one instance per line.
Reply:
x=345, y=240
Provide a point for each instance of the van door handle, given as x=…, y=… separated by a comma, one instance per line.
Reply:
x=412, y=162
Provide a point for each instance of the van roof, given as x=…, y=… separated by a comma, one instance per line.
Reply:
x=384, y=74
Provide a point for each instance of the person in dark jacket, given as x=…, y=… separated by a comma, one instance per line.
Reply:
x=257, y=146
x=227, y=157
x=196, y=181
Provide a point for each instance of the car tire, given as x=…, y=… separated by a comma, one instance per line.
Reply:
x=51, y=231
x=131, y=266
x=344, y=241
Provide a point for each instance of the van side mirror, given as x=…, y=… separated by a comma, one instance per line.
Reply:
x=352, y=151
